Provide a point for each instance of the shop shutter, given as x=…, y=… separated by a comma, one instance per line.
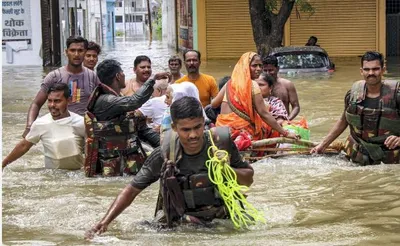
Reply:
x=343, y=28
x=228, y=29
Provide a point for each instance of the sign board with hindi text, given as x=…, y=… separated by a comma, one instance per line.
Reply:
x=16, y=21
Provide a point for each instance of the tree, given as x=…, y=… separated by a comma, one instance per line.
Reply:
x=268, y=22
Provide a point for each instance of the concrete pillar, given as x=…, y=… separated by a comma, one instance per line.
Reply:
x=168, y=9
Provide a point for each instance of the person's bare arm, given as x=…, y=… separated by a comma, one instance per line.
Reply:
x=280, y=121
x=34, y=109
x=217, y=101
x=19, y=150
x=335, y=132
x=123, y=200
x=244, y=175
x=268, y=118
x=293, y=101
x=243, y=170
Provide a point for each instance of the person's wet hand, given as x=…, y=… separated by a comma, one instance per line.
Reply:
x=392, y=142
x=317, y=149
x=293, y=136
x=169, y=77
x=163, y=75
x=26, y=131
x=98, y=229
x=157, y=128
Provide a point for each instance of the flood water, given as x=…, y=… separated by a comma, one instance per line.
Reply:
x=321, y=200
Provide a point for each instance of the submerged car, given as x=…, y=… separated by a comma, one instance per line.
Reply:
x=302, y=59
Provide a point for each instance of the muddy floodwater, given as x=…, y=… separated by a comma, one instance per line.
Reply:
x=321, y=200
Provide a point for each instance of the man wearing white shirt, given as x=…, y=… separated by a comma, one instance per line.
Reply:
x=62, y=133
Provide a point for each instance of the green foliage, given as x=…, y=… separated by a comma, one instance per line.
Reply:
x=119, y=33
x=304, y=6
x=271, y=5
x=300, y=6
x=157, y=23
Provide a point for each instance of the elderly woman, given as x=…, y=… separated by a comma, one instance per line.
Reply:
x=175, y=92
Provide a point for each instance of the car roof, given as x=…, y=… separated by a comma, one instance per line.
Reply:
x=290, y=49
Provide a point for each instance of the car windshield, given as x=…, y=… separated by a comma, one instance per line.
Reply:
x=301, y=60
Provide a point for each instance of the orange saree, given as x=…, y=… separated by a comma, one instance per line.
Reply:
x=240, y=96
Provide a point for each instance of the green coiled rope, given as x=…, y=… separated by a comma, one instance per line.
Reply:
x=224, y=177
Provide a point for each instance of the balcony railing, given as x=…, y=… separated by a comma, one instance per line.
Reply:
x=131, y=10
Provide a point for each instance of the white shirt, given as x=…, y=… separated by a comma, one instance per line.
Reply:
x=154, y=109
x=62, y=139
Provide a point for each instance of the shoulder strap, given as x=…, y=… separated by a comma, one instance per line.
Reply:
x=390, y=93
x=170, y=147
x=92, y=99
x=393, y=84
x=57, y=77
x=358, y=91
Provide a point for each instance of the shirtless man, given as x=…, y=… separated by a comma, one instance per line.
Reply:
x=142, y=69
x=283, y=89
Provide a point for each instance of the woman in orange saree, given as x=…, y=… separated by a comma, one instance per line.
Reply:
x=243, y=108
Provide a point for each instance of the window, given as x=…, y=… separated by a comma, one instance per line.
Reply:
x=118, y=19
x=133, y=18
x=301, y=60
x=138, y=18
x=133, y=4
x=119, y=4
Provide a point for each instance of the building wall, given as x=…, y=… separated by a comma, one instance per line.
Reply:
x=169, y=22
x=94, y=19
x=132, y=25
x=32, y=55
x=110, y=20
x=83, y=18
x=185, y=24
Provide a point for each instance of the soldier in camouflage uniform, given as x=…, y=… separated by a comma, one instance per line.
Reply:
x=372, y=112
x=186, y=192
x=114, y=131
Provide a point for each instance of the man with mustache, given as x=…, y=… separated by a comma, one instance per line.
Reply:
x=185, y=150
x=80, y=80
x=206, y=84
x=142, y=69
x=61, y=132
x=372, y=110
